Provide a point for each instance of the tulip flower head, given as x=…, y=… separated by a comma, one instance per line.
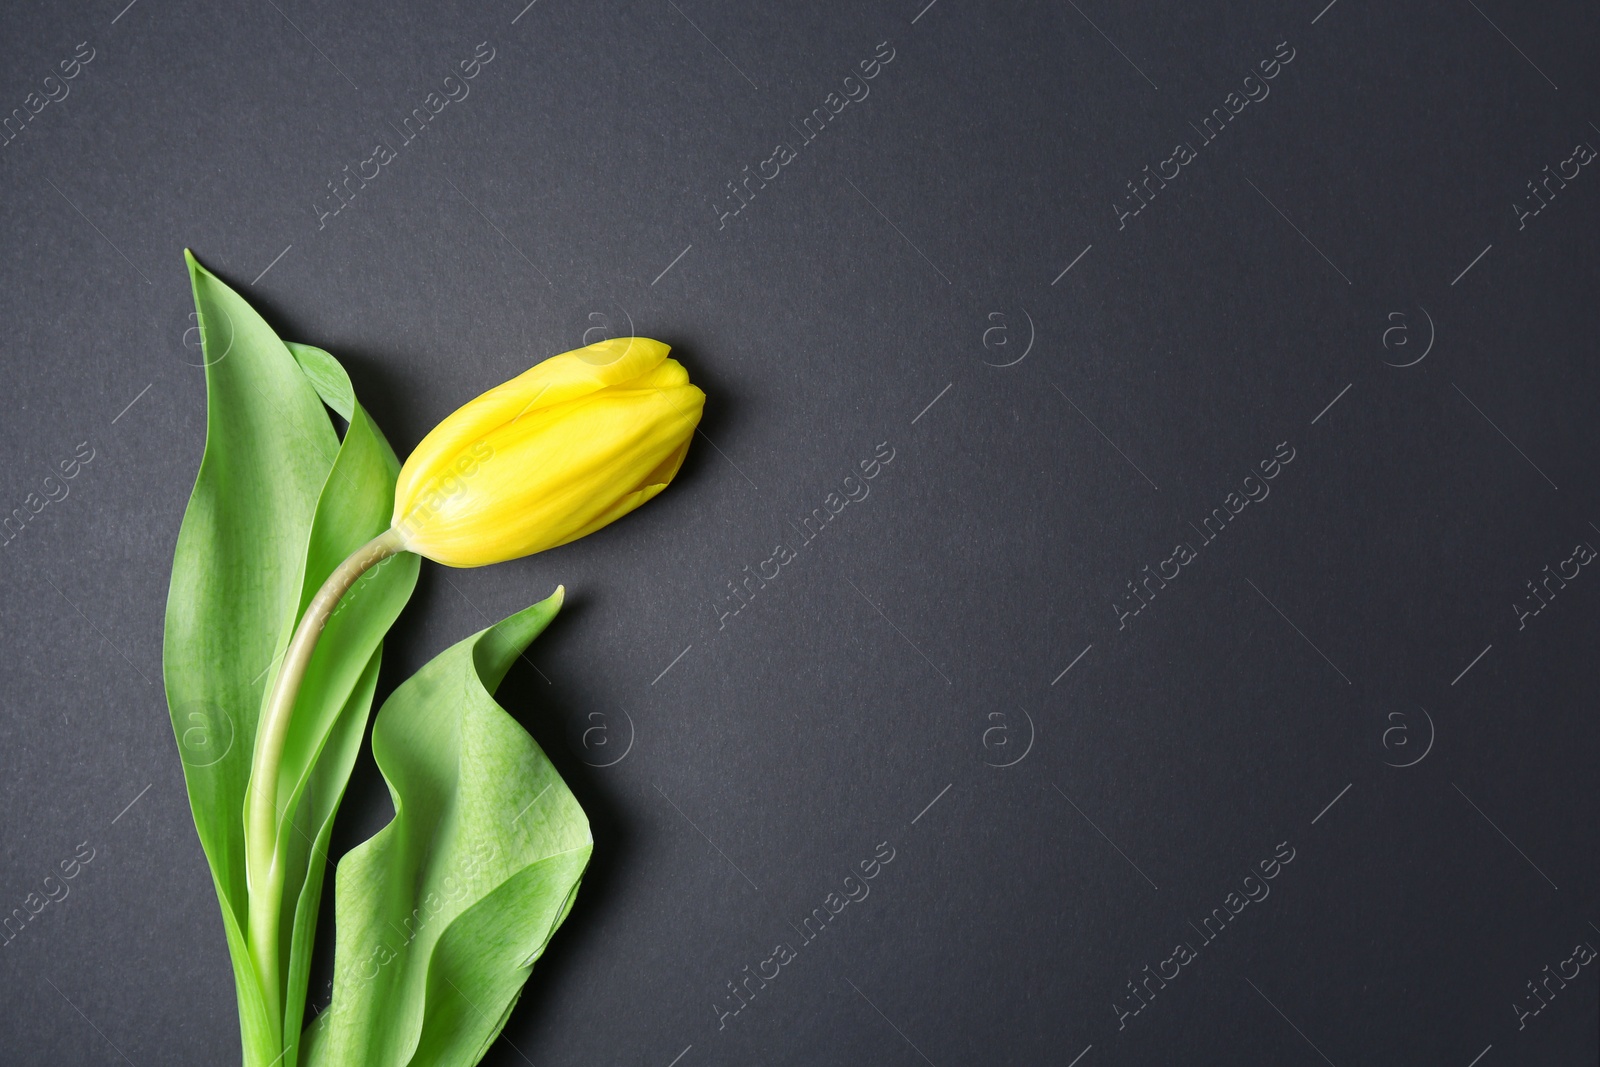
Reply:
x=554, y=454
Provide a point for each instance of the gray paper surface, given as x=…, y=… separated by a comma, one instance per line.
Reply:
x=1205, y=672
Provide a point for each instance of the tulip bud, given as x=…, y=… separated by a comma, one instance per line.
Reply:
x=556, y=453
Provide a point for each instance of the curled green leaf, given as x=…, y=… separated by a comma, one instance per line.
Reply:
x=441, y=914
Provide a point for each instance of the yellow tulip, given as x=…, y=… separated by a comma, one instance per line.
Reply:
x=556, y=453
x=550, y=456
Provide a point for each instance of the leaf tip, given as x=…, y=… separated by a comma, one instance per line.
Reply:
x=196, y=270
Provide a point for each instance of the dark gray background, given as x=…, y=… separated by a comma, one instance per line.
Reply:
x=1359, y=617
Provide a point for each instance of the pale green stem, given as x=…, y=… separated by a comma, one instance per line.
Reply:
x=263, y=873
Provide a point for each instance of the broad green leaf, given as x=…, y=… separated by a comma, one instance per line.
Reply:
x=236, y=576
x=278, y=502
x=442, y=913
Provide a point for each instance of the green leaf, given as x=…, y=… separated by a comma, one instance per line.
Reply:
x=276, y=501
x=442, y=913
x=236, y=576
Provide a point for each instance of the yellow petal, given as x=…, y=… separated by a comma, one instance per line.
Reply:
x=554, y=381
x=494, y=483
